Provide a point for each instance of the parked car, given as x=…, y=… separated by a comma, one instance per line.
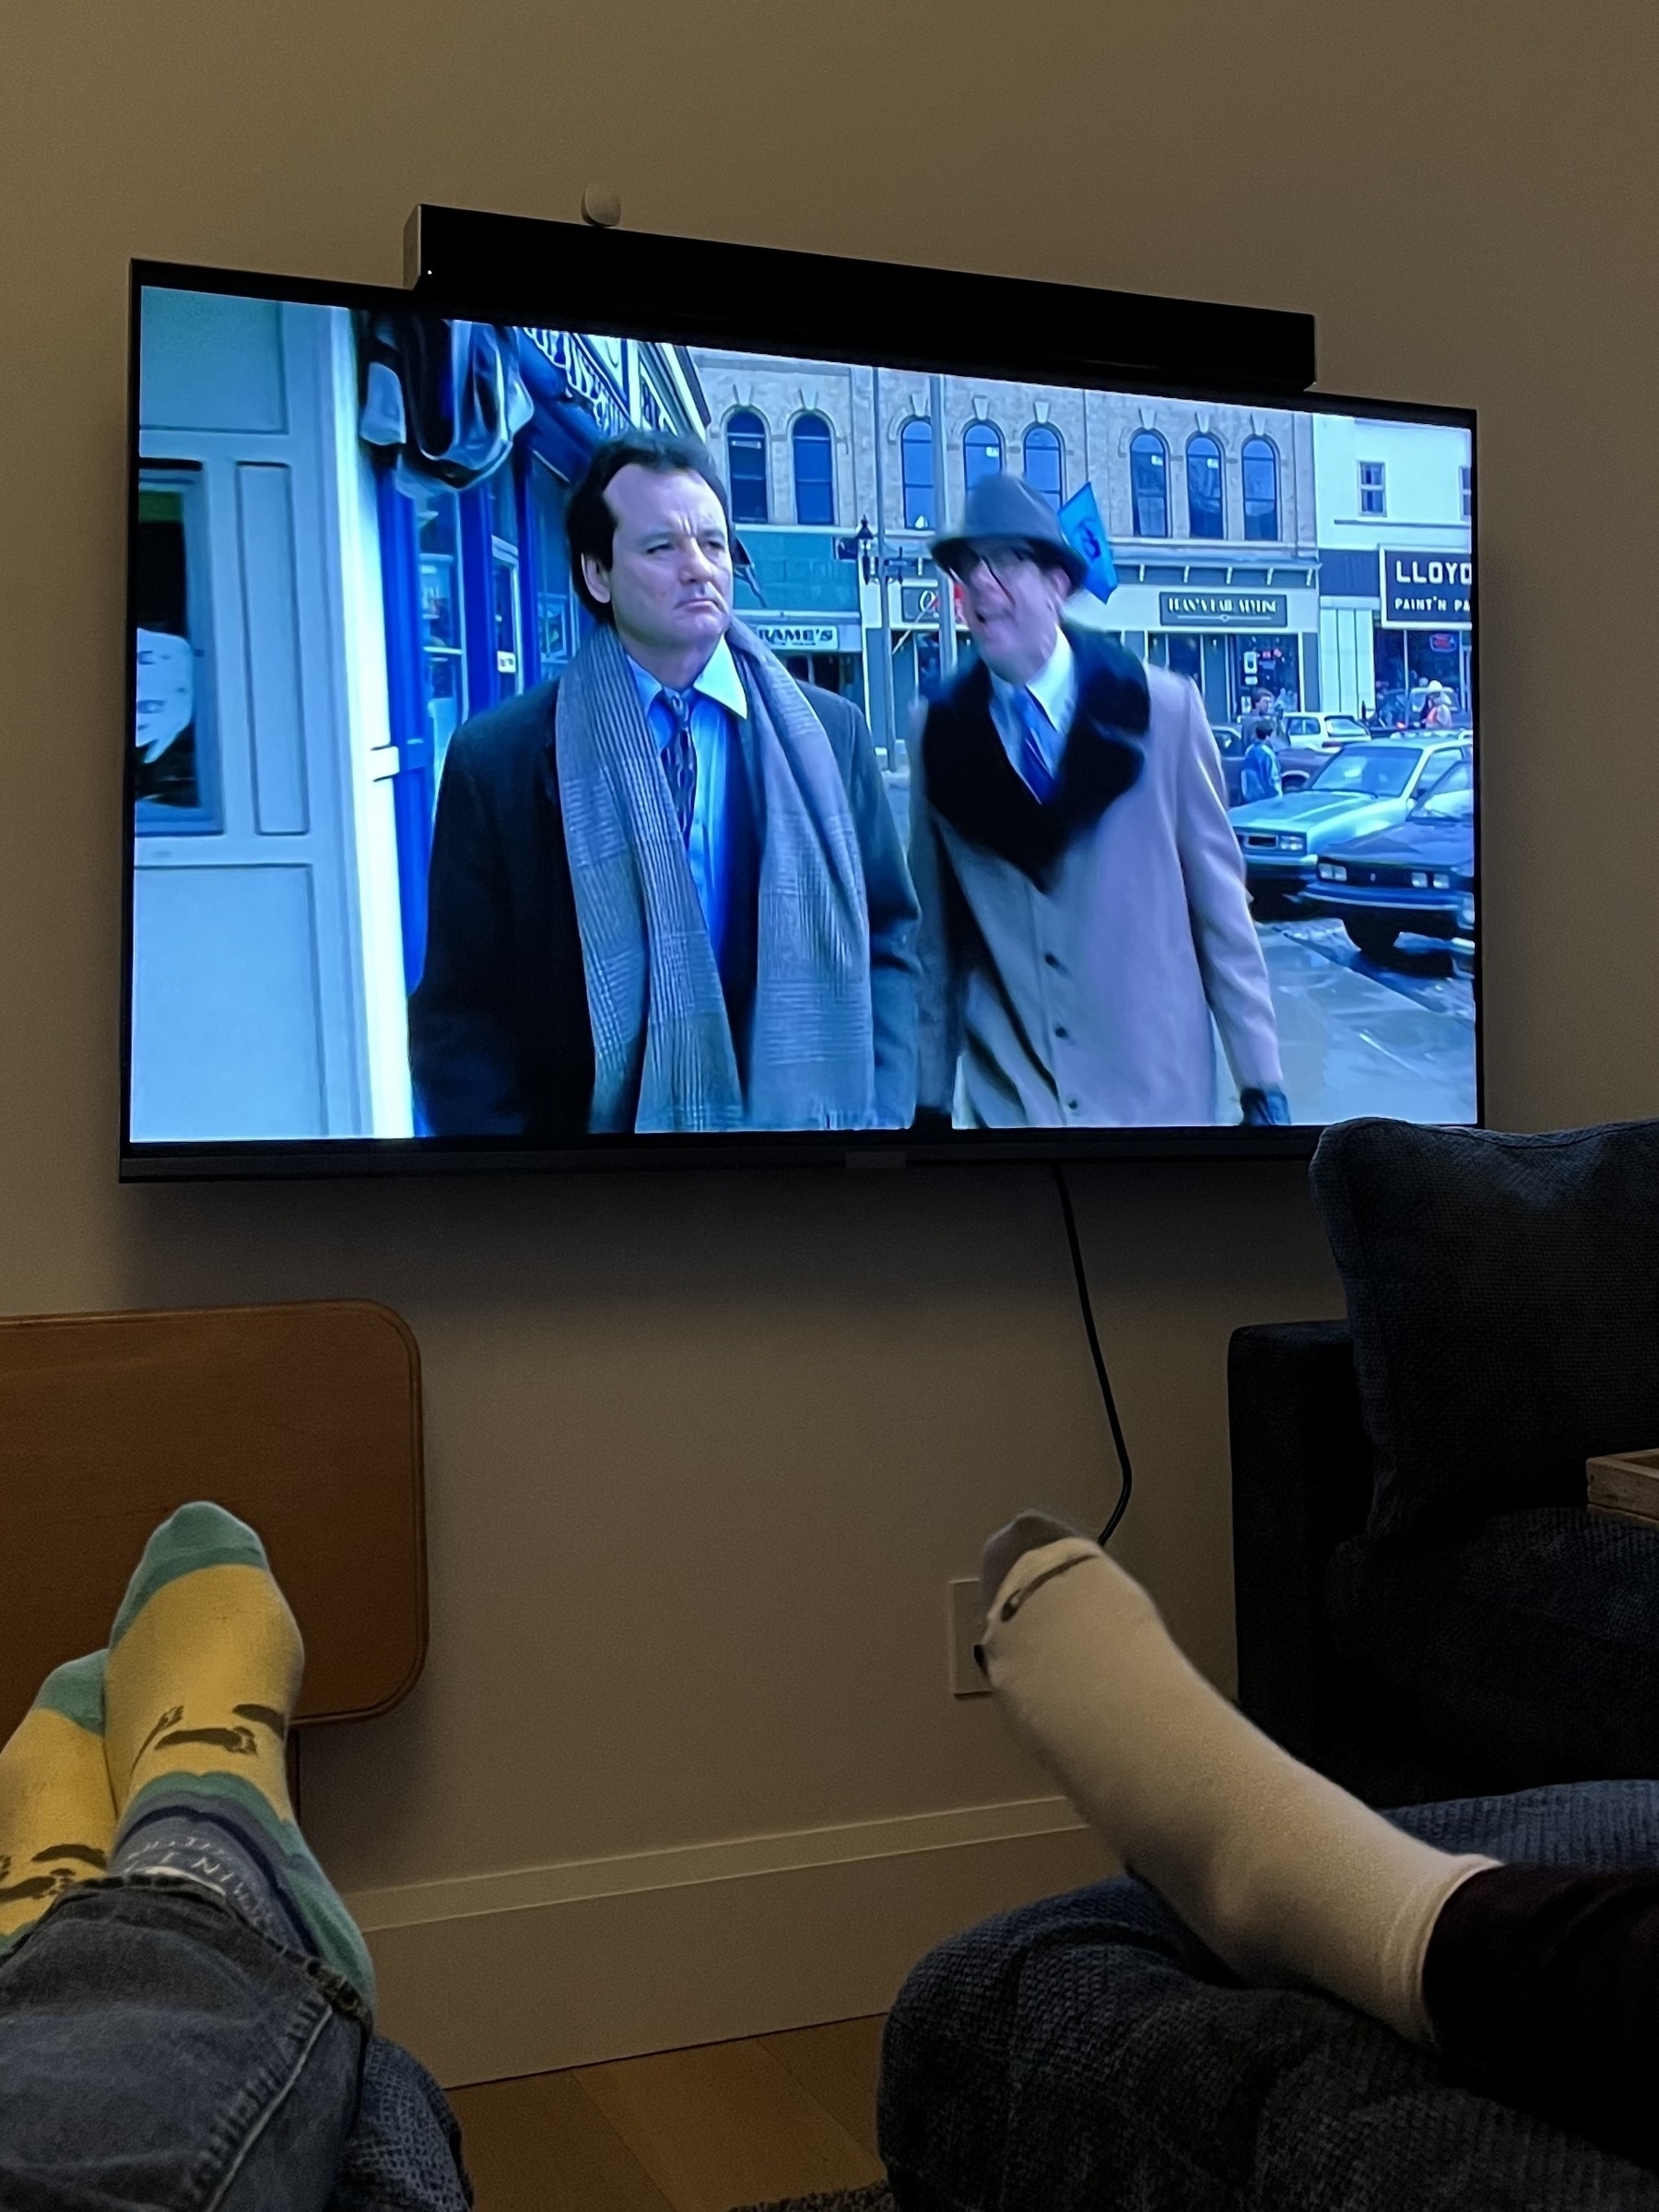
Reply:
x=1416, y=878
x=1231, y=745
x=1324, y=732
x=1299, y=764
x=1359, y=790
x=1463, y=944
x=1399, y=710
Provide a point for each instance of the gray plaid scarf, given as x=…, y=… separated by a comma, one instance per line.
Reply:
x=664, y=1057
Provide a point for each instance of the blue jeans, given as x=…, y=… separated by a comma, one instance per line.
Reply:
x=157, y=2050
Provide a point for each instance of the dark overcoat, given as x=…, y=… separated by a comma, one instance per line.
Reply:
x=501, y=1043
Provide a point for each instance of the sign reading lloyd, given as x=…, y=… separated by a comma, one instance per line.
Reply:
x=1426, y=591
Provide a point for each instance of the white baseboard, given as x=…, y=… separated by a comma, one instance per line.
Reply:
x=566, y=1965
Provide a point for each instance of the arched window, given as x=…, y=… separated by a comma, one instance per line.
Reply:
x=1149, y=484
x=1204, y=517
x=981, y=453
x=813, y=470
x=1045, y=464
x=916, y=467
x=1261, y=489
x=745, y=466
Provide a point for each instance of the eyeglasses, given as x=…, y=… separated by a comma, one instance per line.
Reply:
x=1005, y=558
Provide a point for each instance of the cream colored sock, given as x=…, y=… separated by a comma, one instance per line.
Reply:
x=1286, y=1877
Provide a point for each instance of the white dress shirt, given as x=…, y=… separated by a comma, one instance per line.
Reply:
x=1054, y=688
x=718, y=695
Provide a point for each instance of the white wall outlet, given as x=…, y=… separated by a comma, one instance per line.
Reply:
x=967, y=1618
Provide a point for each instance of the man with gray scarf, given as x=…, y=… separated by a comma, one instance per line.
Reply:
x=667, y=893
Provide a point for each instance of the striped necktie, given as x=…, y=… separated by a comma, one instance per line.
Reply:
x=1033, y=762
x=679, y=758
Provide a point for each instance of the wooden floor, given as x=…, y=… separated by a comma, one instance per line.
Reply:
x=683, y=2131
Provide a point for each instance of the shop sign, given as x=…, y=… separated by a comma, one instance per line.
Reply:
x=919, y=602
x=797, y=637
x=1426, y=591
x=586, y=375
x=1223, y=610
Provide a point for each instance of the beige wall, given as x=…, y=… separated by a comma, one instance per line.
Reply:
x=704, y=1453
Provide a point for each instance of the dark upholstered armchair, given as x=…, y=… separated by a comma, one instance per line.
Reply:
x=1425, y=1607
x=1425, y=1612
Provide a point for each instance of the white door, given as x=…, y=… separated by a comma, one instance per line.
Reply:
x=266, y=992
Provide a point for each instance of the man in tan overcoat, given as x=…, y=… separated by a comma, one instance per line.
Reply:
x=1086, y=933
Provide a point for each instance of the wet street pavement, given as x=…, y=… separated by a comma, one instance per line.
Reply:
x=1359, y=1037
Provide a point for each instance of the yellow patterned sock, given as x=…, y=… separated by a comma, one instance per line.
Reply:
x=57, y=1818
x=204, y=1674
x=205, y=1662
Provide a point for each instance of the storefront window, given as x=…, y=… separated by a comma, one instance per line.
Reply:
x=504, y=582
x=442, y=651
x=1204, y=488
x=1149, y=484
x=504, y=579
x=1260, y=462
x=553, y=630
x=1185, y=657
x=1393, y=705
x=175, y=779
x=503, y=506
x=1264, y=664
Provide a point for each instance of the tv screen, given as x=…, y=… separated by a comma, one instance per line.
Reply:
x=595, y=741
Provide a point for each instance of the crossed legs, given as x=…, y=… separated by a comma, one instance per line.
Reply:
x=184, y=2002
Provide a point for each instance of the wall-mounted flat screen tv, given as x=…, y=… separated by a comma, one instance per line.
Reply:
x=574, y=726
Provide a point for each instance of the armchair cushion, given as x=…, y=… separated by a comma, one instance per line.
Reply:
x=1530, y=1642
x=1503, y=1295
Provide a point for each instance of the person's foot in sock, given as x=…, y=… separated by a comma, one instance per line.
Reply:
x=57, y=1818
x=1286, y=1877
x=203, y=1677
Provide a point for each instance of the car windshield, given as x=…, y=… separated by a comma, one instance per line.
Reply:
x=1344, y=722
x=1452, y=795
x=1446, y=806
x=1368, y=769
x=1301, y=725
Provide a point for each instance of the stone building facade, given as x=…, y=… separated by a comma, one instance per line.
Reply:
x=1210, y=510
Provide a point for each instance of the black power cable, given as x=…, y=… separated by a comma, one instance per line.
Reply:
x=1127, y=1475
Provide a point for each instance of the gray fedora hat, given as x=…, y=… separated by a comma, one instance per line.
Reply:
x=1001, y=506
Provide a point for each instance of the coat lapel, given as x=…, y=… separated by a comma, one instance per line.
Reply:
x=975, y=787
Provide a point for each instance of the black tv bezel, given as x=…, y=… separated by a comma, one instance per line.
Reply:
x=510, y=269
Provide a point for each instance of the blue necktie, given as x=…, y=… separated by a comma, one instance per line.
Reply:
x=679, y=759
x=1033, y=763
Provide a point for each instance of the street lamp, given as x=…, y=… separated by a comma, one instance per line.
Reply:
x=865, y=542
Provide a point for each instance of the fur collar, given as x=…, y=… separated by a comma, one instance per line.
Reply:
x=975, y=787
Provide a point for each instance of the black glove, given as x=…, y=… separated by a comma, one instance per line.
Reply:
x=1264, y=1109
